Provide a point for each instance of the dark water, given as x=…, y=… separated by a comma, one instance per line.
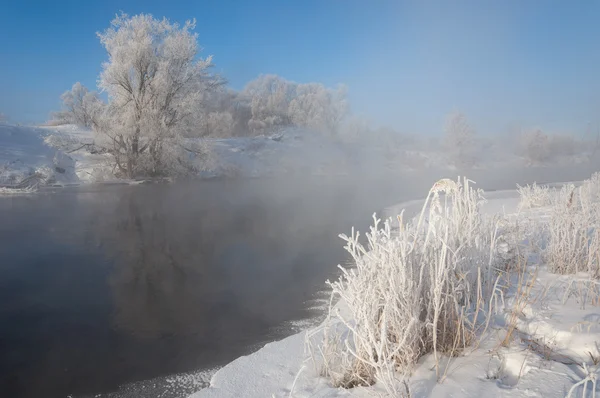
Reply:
x=101, y=287
x=112, y=285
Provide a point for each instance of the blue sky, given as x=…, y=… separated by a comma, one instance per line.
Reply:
x=407, y=64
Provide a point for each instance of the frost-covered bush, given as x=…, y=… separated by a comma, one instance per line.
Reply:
x=63, y=142
x=537, y=147
x=423, y=288
x=573, y=235
x=532, y=196
x=570, y=234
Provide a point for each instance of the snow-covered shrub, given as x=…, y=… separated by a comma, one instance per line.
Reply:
x=63, y=142
x=538, y=147
x=573, y=235
x=532, y=196
x=102, y=173
x=423, y=288
x=570, y=234
x=590, y=189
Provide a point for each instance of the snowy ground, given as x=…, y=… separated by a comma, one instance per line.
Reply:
x=89, y=167
x=554, y=346
x=26, y=160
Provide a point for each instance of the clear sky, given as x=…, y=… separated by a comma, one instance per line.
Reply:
x=407, y=64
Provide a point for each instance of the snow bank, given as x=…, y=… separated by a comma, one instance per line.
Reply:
x=544, y=340
x=292, y=151
x=26, y=160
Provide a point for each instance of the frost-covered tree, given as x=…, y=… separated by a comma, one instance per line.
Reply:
x=269, y=97
x=276, y=102
x=222, y=116
x=316, y=107
x=3, y=117
x=534, y=145
x=80, y=106
x=217, y=124
x=537, y=146
x=460, y=140
x=156, y=84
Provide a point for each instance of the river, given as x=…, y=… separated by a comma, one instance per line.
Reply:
x=105, y=287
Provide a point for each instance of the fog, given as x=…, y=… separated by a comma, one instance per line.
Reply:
x=102, y=286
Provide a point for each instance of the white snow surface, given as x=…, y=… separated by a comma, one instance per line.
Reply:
x=25, y=155
x=555, y=335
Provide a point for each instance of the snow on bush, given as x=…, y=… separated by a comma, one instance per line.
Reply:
x=570, y=233
x=533, y=196
x=539, y=148
x=63, y=142
x=573, y=235
x=425, y=288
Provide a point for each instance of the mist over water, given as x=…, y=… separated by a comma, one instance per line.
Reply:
x=111, y=285
x=104, y=286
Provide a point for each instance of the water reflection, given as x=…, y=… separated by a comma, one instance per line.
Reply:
x=123, y=284
x=186, y=264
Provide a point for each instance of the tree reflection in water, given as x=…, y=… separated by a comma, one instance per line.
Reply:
x=129, y=283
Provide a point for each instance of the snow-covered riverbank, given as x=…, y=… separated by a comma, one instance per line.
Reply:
x=26, y=160
x=65, y=154
x=542, y=342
